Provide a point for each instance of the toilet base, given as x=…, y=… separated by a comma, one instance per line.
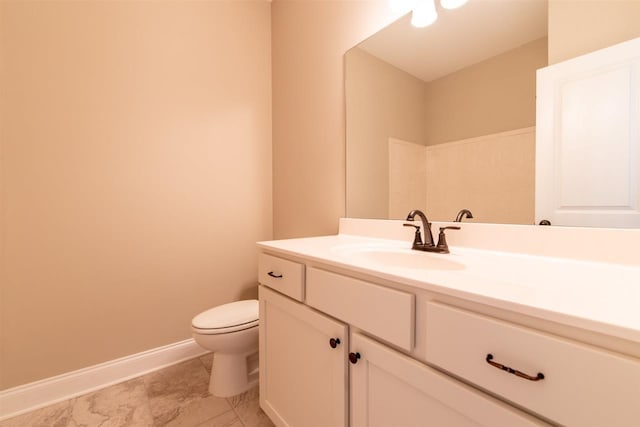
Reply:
x=232, y=374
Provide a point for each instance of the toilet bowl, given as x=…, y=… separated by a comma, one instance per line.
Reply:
x=230, y=331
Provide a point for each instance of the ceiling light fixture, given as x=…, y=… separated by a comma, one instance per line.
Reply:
x=424, y=13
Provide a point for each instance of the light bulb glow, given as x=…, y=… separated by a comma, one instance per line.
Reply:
x=424, y=13
x=452, y=4
x=401, y=6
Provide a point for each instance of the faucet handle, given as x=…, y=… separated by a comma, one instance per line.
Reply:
x=442, y=239
x=417, y=239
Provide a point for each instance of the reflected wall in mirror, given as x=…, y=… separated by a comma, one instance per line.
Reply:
x=443, y=118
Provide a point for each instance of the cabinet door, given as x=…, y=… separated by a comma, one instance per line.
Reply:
x=391, y=389
x=588, y=139
x=303, y=380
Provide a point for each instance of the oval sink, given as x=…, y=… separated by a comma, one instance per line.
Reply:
x=398, y=258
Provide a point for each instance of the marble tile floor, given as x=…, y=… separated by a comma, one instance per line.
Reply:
x=174, y=396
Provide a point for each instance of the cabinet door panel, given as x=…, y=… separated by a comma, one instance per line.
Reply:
x=302, y=379
x=391, y=389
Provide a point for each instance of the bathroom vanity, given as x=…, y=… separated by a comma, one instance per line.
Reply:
x=518, y=325
x=357, y=331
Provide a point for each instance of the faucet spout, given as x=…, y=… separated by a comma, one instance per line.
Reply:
x=462, y=214
x=426, y=226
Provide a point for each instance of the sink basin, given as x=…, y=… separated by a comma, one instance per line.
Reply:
x=394, y=257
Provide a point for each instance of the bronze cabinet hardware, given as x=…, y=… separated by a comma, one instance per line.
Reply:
x=274, y=275
x=520, y=374
x=333, y=342
x=353, y=357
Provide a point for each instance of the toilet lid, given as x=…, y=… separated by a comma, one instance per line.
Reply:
x=228, y=316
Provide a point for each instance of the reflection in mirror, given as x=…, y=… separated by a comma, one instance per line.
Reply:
x=442, y=118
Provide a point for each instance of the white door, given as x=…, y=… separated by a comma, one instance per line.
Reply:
x=391, y=389
x=588, y=139
x=303, y=373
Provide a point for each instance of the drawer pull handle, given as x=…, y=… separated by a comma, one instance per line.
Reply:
x=353, y=357
x=538, y=377
x=274, y=275
x=333, y=342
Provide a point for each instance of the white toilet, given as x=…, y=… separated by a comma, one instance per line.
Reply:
x=230, y=331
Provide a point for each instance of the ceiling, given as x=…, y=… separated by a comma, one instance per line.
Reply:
x=460, y=37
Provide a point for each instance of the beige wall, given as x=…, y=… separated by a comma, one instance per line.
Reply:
x=494, y=95
x=136, y=174
x=309, y=41
x=407, y=177
x=577, y=27
x=382, y=102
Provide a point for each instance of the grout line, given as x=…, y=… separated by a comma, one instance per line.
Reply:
x=228, y=399
x=217, y=416
x=236, y=412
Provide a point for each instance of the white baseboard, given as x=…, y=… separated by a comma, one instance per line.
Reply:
x=25, y=398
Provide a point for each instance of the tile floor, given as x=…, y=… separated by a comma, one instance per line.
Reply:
x=174, y=396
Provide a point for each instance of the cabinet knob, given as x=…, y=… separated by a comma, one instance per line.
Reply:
x=333, y=342
x=353, y=357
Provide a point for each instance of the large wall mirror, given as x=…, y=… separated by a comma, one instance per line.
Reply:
x=442, y=118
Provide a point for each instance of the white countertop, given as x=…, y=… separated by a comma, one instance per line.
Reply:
x=595, y=296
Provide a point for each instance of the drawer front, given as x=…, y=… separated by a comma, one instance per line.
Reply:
x=386, y=313
x=582, y=386
x=282, y=275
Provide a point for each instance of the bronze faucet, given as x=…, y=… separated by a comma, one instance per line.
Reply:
x=464, y=213
x=428, y=245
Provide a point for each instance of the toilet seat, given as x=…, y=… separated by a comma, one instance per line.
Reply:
x=232, y=317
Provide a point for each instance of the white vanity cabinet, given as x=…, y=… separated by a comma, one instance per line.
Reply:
x=303, y=379
x=408, y=356
x=312, y=370
x=390, y=389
